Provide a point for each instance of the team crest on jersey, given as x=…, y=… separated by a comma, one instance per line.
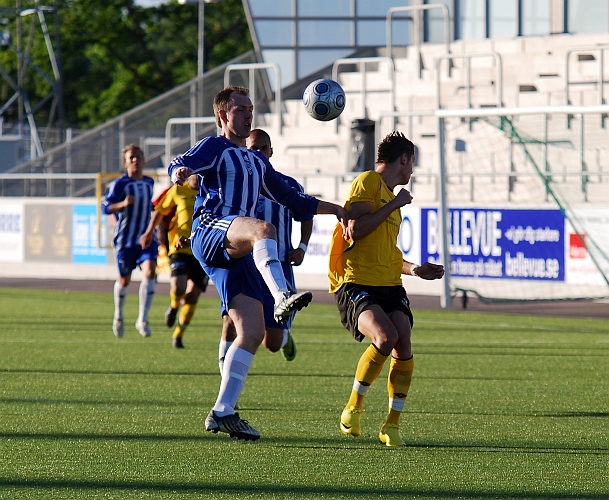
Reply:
x=260, y=206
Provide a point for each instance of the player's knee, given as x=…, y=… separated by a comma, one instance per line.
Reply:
x=191, y=298
x=273, y=345
x=266, y=230
x=386, y=341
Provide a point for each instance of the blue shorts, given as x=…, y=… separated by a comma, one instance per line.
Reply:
x=230, y=276
x=207, y=240
x=130, y=258
x=238, y=276
x=269, y=301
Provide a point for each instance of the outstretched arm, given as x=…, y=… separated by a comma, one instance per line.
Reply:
x=326, y=207
x=426, y=271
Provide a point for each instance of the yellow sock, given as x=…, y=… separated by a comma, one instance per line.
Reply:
x=368, y=368
x=175, y=299
x=398, y=384
x=186, y=314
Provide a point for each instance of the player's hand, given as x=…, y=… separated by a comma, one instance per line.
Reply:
x=183, y=242
x=129, y=200
x=180, y=175
x=429, y=271
x=145, y=240
x=296, y=256
x=403, y=197
x=343, y=217
x=350, y=231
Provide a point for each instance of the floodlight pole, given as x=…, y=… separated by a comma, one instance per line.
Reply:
x=201, y=37
x=201, y=48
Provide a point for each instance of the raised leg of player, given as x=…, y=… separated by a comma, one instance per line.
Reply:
x=267, y=261
x=247, y=235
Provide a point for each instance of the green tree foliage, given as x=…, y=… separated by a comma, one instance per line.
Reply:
x=116, y=54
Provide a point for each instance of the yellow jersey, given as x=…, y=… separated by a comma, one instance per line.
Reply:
x=376, y=259
x=179, y=200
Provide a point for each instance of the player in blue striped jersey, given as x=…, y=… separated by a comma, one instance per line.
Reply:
x=277, y=336
x=233, y=246
x=129, y=198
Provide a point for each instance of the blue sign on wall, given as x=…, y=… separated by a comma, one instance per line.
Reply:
x=84, y=236
x=496, y=243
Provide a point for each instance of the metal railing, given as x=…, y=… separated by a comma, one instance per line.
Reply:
x=361, y=63
x=252, y=67
x=192, y=121
x=468, y=58
x=99, y=148
x=601, y=67
x=417, y=9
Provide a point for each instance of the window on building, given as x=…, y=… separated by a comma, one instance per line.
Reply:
x=275, y=33
x=588, y=16
x=271, y=8
x=310, y=61
x=434, y=22
x=323, y=8
x=325, y=33
x=471, y=19
x=287, y=65
x=535, y=17
x=373, y=33
x=376, y=7
x=503, y=17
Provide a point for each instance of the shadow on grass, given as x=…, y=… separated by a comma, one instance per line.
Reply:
x=291, y=491
x=304, y=442
x=215, y=373
x=169, y=373
x=166, y=406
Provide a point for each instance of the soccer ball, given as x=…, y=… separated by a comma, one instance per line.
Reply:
x=324, y=99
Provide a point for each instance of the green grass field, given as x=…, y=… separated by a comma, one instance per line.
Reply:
x=500, y=407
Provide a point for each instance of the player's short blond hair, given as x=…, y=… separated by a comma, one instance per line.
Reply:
x=222, y=100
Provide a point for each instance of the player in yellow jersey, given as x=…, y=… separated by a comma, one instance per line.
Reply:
x=365, y=277
x=188, y=279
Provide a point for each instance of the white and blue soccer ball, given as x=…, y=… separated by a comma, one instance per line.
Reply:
x=324, y=99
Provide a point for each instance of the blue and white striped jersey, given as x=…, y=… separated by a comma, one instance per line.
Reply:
x=232, y=177
x=133, y=220
x=281, y=217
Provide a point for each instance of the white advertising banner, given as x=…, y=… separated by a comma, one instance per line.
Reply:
x=316, y=259
x=582, y=249
x=11, y=233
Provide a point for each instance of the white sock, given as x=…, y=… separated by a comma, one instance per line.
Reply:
x=147, y=287
x=222, y=349
x=237, y=364
x=285, y=338
x=120, y=294
x=267, y=262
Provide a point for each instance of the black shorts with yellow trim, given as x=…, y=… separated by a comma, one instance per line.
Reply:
x=353, y=299
x=185, y=264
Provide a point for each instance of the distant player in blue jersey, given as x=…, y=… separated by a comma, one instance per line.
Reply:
x=233, y=246
x=129, y=198
x=277, y=336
